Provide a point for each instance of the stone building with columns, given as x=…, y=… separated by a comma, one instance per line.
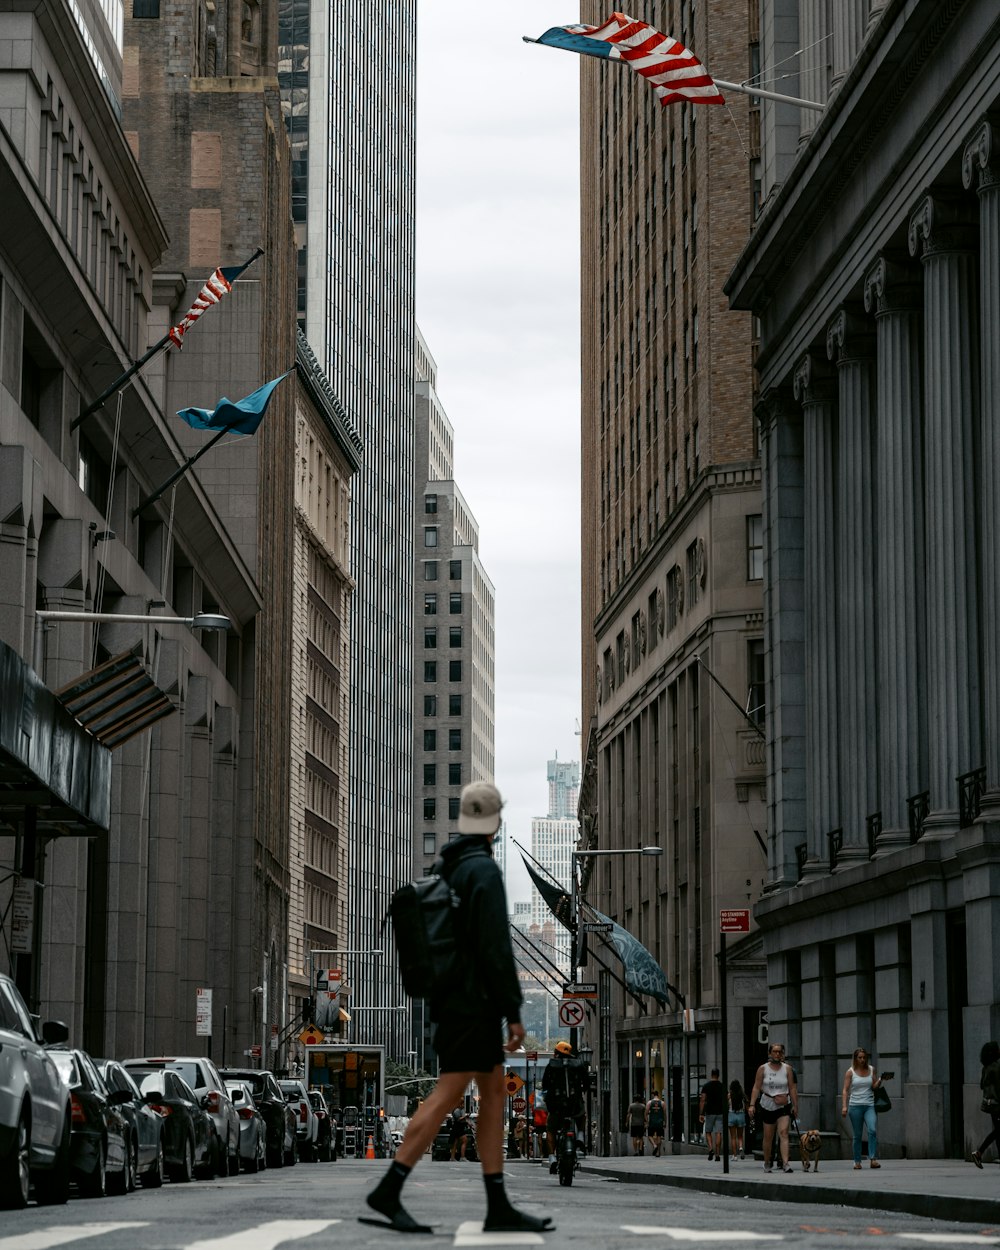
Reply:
x=874, y=271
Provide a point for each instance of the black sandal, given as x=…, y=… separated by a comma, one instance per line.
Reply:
x=514, y=1221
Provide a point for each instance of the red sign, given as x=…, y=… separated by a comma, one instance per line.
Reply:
x=734, y=920
x=531, y=1056
x=255, y=1052
x=520, y=1106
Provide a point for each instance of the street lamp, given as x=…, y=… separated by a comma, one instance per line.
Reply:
x=201, y=620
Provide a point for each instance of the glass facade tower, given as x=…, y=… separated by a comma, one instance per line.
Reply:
x=348, y=78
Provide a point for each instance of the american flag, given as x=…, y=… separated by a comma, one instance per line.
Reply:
x=672, y=70
x=218, y=285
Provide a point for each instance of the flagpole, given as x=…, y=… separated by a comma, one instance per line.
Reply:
x=160, y=490
x=730, y=86
x=118, y=383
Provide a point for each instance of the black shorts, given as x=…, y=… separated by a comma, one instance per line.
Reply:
x=656, y=1126
x=772, y=1117
x=469, y=1043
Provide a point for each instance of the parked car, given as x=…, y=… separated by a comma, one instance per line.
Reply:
x=35, y=1109
x=297, y=1097
x=98, y=1126
x=324, y=1143
x=279, y=1117
x=190, y=1142
x=203, y=1077
x=145, y=1161
x=253, y=1130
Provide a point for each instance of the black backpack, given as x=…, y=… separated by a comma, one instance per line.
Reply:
x=424, y=931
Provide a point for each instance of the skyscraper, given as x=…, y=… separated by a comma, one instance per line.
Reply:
x=347, y=76
x=553, y=837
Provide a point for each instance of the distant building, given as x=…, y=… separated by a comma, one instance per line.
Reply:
x=564, y=787
x=553, y=837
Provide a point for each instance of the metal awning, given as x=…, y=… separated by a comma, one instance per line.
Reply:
x=116, y=700
x=48, y=761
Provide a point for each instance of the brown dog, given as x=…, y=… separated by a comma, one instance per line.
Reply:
x=810, y=1144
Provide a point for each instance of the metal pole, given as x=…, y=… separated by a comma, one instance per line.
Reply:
x=724, y=1023
x=575, y=918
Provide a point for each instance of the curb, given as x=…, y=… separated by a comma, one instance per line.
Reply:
x=934, y=1206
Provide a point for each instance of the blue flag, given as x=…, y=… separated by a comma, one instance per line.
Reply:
x=242, y=416
x=643, y=975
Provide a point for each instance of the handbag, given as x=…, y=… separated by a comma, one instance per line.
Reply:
x=990, y=1106
x=882, y=1100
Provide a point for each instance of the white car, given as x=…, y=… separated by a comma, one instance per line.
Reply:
x=306, y=1124
x=35, y=1114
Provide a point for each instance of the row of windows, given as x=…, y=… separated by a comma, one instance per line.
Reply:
x=431, y=705
x=430, y=813
x=454, y=739
x=454, y=774
x=454, y=670
x=454, y=637
x=431, y=566
x=454, y=603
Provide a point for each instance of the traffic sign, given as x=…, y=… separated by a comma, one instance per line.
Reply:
x=519, y=1106
x=571, y=1013
x=310, y=1036
x=580, y=989
x=513, y=1084
x=734, y=920
x=595, y=927
x=531, y=1056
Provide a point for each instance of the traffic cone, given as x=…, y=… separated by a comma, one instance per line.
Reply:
x=370, y=1148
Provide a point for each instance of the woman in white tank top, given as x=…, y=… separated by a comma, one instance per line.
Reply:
x=858, y=1101
x=778, y=1096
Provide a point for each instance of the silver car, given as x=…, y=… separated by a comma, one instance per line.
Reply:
x=253, y=1130
x=306, y=1124
x=35, y=1113
x=203, y=1077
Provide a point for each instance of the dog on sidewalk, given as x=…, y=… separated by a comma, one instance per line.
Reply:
x=810, y=1144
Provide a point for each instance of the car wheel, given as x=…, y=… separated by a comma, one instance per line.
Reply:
x=234, y=1159
x=153, y=1179
x=182, y=1172
x=15, y=1173
x=275, y=1158
x=123, y=1182
x=52, y=1185
x=95, y=1184
x=292, y=1156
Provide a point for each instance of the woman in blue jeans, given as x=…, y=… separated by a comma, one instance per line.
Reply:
x=858, y=1101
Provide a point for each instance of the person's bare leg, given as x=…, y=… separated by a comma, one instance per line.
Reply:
x=783, y=1139
x=427, y=1119
x=501, y=1216
x=768, y=1143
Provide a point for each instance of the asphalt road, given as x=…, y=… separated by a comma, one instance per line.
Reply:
x=315, y=1207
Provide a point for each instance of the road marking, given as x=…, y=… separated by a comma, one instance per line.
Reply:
x=692, y=1234
x=62, y=1235
x=939, y=1239
x=471, y=1234
x=263, y=1237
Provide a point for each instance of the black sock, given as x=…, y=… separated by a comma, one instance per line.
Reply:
x=386, y=1192
x=497, y=1201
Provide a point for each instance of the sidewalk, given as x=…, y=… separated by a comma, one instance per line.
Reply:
x=941, y=1188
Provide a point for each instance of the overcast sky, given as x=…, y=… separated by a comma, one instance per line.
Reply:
x=498, y=303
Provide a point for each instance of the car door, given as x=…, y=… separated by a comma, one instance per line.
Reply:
x=216, y=1081
x=13, y=1073
x=48, y=1094
x=200, y=1118
x=147, y=1122
x=114, y=1118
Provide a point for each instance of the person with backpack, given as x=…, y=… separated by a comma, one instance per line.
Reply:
x=469, y=1001
x=656, y=1121
x=564, y=1084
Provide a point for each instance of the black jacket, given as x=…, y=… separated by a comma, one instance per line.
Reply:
x=490, y=987
x=564, y=1082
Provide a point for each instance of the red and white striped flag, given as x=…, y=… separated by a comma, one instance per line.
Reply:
x=672, y=70
x=218, y=285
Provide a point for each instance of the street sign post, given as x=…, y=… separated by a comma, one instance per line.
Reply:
x=203, y=1013
x=520, y=1106
x=580, y=989
x=734, y=920
x=597, y=927
x=571, y=1013
x=731, y=920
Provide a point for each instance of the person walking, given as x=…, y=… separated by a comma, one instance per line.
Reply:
x=469, y=1015
x=459, y=1136
x=737, y=1118
x=656, y=1121
x=777, y=1094
x=857, y=1100
x=635, y=1123
x=989, y=1083
x=711, y=1107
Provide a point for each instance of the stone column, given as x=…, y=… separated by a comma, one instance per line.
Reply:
x=852, y=349
x=893, y=294
x=814, y=71
x=939, y=235
x=784, y=622
x=814, y=389
x=981, y=167
x=875, y=10
x=849, y=19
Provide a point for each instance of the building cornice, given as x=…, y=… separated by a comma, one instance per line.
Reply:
x=320, y=391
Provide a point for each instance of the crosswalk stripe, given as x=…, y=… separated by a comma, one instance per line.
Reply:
x=692, y=1234
x=943, y=1239
x=263, y=1237
x=471, y=1234
x=62, y=1235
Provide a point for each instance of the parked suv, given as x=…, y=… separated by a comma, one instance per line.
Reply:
x=280, y=1118
x=203, y=1077
x=306, y=1124
x=34, y=1106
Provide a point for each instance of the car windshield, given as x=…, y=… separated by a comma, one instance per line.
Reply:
x=190, y=1072
x=66, y=1063
x=152, y=1084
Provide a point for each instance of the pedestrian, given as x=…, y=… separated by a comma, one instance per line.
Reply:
x=522, y=1137
x=737, y=1118
x=857, y=1100
x=776, y=1092
x=656, y=1120
x=469, y=1016
x=564, y=1086
x=989, y=1083
x=459, y=1136
x=711, y=1107
x=635, y=1123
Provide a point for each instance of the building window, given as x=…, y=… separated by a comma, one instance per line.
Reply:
x=455, y=570
x=430, y=739
x=430, y=670
x=756, y=695
x=429, y=847
x=620, y=649
x=430, y=605
x=430, y=809
x=755, y=548
x=692, y=575
x=430, y=705
x=673, y=597
x=430, y=570
x=430, y=638
x=430, y=536
x=145, y=8
x=455, y=602
x=636, y=641
x=453, y=809
x=454, y=635
x=430, y=503
x=454, y=705
x=454, y=739
x=454, y=670
x=454, y=774
x=430, y=774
